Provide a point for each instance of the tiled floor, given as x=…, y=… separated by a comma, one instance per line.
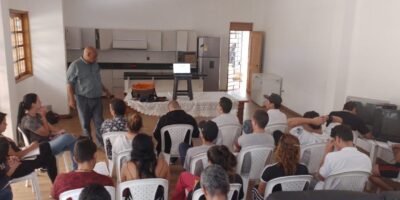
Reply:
x=72, y=125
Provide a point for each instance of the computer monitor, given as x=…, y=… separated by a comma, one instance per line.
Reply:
x=181, y=68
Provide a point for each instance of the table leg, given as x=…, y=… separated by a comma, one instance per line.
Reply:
x=240, y=111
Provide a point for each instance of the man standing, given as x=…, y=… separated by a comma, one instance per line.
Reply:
x=85, y=90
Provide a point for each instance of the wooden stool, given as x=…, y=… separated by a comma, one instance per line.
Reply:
x=188, y=91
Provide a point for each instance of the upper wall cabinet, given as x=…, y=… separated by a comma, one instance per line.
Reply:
x=104, y=39
x=169, y=40
x=154, y=40
x=73, y=38
x=186, y=41
x=88, y=37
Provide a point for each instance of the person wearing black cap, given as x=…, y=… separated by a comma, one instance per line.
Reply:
x=208, y=135
x=273, y=104
x=276, y=117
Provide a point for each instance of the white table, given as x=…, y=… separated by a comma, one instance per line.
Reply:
x=204, y=104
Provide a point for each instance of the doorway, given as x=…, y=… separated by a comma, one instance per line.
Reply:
x=239, y=41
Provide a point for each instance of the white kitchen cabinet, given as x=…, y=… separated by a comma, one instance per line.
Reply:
x=169, y=40
x=107, y=78
x=73, y=38
x=182, y=40
x=154, y=40
x=192, y=41
x=88, y=37
x=105, y=39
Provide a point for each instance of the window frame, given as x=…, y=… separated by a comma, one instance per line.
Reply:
x=26, y=45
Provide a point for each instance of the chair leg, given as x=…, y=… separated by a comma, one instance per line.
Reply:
x=35, y=187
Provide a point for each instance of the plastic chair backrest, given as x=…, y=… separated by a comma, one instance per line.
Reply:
x=110, y=137
x=74, y=194
x=312, y=155
x=351, y=181
x=229, y=134
x=177, y=133
x=198, y=163
x=121, y=158
x=143, y=188
x=252, y=159
x=24, y=136
x=289, y=183
x=274, y=127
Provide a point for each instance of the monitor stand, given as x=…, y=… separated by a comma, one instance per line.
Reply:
x=188, y=92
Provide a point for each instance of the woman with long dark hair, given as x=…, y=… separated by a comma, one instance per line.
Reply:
x=287, y=156
x=32, y=119
x=12, y=157
x=217, y=155
x=143, y=162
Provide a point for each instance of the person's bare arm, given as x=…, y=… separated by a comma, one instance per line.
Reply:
x=20, y=154
x=261, y=188
x=13, y=163
x=297, y=121
x=71, y=96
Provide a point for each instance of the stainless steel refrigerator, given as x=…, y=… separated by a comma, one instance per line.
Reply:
x=208, y=61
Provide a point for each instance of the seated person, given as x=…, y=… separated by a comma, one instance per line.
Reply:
x=15, y=156
x=272, y=104
x=94, y=192
x=259, y=136
x=85, y=156
x=124, y=142
x=208, y=133
x=348, y=116
x=217, y=155
x=144, y=163
x=175, y=116
x=32, y=119
x=214, y=183
x=382, y=173
x=118, y=122
x=308, y=128
x=346, y=158
x=7, y=166
x=224, y=116
x=287, y=155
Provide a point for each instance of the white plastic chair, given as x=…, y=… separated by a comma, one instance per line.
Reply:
x=229, y=134
x=101, y=168
x=110, y=136
x=177, y=133
x=288, y=183
x=234, y=187
x=351, y=181
x=312, y=155
x=251, y=162
x=32, y=177
x=274, y=127
x=194, y=167
x=121, y=158
x=143, y=188
x=63, y=154
x=74, y=194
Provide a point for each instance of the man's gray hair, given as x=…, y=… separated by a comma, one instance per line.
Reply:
x=215, y=180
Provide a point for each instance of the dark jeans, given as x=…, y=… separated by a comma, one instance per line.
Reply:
x=90, y=109
x=6, y=194
x=183, y=148
x=44, y=160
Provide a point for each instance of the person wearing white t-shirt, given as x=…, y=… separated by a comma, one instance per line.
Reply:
x=308, y=128
x=346, y=158
x=259, y=136
x=272, y=104
x=224, y=116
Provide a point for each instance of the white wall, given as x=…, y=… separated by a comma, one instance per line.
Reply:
x=8, y=94
x=375, y=64
x=48, y=53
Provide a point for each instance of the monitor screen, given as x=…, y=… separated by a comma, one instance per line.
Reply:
x=181, y=68
x=390, y=125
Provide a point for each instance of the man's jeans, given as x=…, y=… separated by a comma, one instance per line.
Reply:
x=61, y=143
x=88, y=109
